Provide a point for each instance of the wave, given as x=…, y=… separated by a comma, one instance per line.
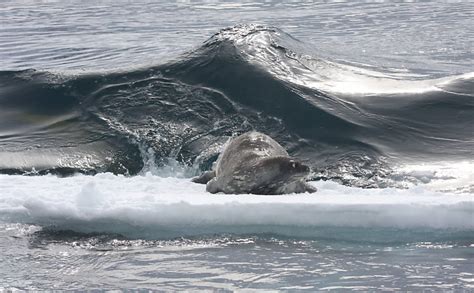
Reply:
x=151, y=207
x=349, y=121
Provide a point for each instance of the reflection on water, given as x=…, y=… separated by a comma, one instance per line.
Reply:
x=33, y=258
x=428, y=40
x=119, y=34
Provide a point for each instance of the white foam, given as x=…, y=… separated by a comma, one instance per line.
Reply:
x=140, y=204
x=439, y=176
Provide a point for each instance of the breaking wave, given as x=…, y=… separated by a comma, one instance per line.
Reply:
x=350, y=122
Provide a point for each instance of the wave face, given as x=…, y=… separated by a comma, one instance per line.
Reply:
x=339, y=117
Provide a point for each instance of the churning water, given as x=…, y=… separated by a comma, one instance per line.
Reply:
x=107, y=108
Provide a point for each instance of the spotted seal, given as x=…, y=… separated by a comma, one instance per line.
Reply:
x=255, y=163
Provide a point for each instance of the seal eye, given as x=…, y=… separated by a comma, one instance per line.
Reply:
x=293, y=164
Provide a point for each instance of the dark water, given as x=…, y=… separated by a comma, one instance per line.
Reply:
x=356, y=90
x=242, y=78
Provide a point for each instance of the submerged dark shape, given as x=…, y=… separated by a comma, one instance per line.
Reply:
x=255, y=163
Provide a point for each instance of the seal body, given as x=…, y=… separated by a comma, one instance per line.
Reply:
x=255, y=163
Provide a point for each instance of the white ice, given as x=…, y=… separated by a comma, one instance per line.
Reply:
x=135, y=205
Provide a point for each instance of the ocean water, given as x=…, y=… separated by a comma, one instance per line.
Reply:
x=108, y=108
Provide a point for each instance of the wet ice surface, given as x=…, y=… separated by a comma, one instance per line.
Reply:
x=154, y=207
x=265, y=248
x=33, y=259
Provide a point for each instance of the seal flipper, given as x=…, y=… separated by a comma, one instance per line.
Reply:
x=205, y=177
x=308, y=187
x=212, y=186
x=302, y=187
x=299, y=186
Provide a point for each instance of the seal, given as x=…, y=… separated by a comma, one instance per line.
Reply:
x=255, y=163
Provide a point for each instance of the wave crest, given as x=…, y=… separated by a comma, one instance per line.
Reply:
x=340, y=117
